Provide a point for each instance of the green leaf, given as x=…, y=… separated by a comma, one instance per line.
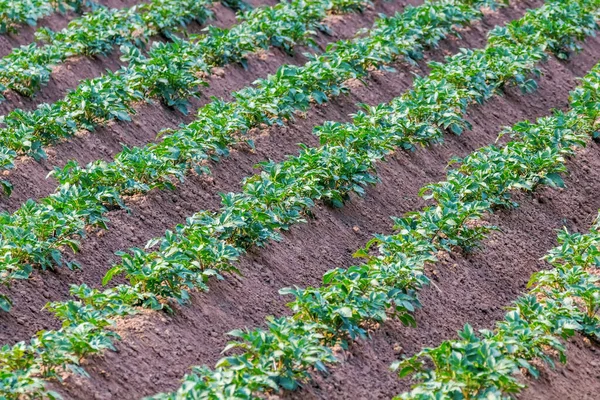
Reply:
x=361, y=253
x=110, y=274
x=345, y=312
x=328, y=276
x=556, y=180
x=287, y=383
x=5, y=303
x=288, y=290
x=121, y=116
x=6, y=186
x=406, y=371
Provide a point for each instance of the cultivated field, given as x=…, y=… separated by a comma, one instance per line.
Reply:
x=311, y=199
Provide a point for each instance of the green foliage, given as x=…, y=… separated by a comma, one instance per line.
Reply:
x=270, y=359
x=27, y=68
x=35, y=234
x=350, y=301
x=18, y=12
x=50, y=353
x=171, y=72
x=559, y=303
x=211, y=242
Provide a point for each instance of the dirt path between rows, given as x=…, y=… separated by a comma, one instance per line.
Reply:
x=158, y=349
x=26, y=34
x=472, y=288
x=29, y=177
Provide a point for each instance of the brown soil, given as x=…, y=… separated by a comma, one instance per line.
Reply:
x=475, y=288
x=157, y=349
x=66, y=76
x=29, y=176
x=26, y=34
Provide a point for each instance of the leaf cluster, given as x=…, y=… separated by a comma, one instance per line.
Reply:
x=18, y=12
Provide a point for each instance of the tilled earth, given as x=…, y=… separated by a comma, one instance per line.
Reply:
x=157, y=349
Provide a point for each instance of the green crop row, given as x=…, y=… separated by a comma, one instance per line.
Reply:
x=29, y=67
x=282, y=193
x=559, y=303
x=18, y=12
x=35, y=234
x=352, y=301
x=171, y=72
x=269, y=202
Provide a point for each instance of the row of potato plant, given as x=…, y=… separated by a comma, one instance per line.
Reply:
x=27, y=68
x=283, y=192
x=171, y=72
x=559, y=303
x=493, y=364
x=352, y=302
x=177, y=267
x=35, y=234
x=14, y=13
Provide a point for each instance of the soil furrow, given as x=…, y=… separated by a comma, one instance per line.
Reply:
x=474, y=288
x=196, y=333
x=197, y=193
x=493, y=276
x=26, y=34
x=157, y=211
x=66, y=76
x=29, y=176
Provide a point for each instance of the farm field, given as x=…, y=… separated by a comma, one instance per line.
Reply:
x=311, y=199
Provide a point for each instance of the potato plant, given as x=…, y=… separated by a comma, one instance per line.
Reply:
x=18, y=12
x=560, y=302
x=27, y=68
x=25, y=366
x=349, y=300
x=171, y=72
x=39, y=230
x=34, y=235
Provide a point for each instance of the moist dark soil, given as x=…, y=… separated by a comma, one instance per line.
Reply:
x=26, y=34
x=157, y=349
x=29, y=177
x=474, y=288
x=66, y=76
